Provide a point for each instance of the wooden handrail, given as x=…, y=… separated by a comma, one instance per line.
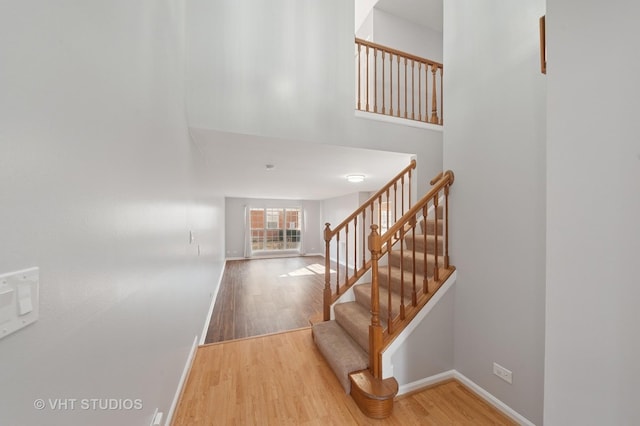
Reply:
x=445, y=179
x=371, y=199
x=436, y=179
x=368, y=69
x=351, y=265
x=398, y=52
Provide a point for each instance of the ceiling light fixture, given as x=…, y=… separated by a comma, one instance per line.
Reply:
x=355, y=178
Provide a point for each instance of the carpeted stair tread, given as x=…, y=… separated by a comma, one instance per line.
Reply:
x=342, y=353
x=355, y=319
x=430, y=225
x=419, y=243
x=395, y=256
x=363, y=297
x=396, y=275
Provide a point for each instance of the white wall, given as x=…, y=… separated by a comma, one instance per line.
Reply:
x=312, y=240
x=337, y=209
x=593, y=197
x=285, y=69
x=97, y=188
x=390, y=30
x=365, y=30
x=362, y=9
x=428, y=350
x=334, y=211
x=495, y=144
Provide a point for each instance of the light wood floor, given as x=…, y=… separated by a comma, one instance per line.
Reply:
x=282, y=379
x=262, y=296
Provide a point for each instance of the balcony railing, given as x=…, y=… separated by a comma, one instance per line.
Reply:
x=398, y=84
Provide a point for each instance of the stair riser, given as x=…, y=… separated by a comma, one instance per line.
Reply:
x=364, y=298
x=408, y=282
x=420, y=244
x=440, y=212
x=431, y=228
x=356, y=327
x=342, y=353
x=395, y=260
x=383, y=310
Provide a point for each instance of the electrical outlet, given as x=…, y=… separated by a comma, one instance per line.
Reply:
x=503, y=373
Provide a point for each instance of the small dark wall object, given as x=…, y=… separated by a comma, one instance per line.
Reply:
x=543, y=46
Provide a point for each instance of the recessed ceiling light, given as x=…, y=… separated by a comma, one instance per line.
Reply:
x=355, y=178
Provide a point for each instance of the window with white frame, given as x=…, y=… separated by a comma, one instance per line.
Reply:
x=275, y=229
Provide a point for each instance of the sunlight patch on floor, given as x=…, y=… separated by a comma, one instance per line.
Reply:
x=312, y=269
x=298, y=273
x=318, y=268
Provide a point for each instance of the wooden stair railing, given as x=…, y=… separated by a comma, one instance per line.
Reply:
x=421, y=278
x=392, y=201
x=396, y=83
x=409, y=261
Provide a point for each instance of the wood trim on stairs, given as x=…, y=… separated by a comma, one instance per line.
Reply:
x=407, y=279
x=373, y=396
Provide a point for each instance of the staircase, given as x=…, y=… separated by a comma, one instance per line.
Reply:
x=408, y=264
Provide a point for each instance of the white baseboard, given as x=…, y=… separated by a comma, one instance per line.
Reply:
x=426, y=382
x=203, y=335
x=183, y=378
x=501, y=406
x=274, y=256
x=226, y=259
x=477, y=389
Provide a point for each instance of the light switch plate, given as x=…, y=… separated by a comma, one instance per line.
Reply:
x=19, y=300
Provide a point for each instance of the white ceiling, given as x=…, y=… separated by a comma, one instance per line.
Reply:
x=236, y=167
x=427, y=13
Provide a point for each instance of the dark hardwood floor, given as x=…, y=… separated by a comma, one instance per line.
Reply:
x=262, y=296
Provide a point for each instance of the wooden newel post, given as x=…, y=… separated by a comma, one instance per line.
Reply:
x=414, y=295
x=425, y=268
x=326, y=312
x=452, y=178
x=375, y=330
x=436, y=275
x=434, y=97
x=446, y=227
